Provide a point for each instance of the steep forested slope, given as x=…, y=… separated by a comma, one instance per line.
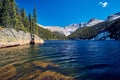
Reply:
x=91, y=32
x=114, y=30
x=46, y=34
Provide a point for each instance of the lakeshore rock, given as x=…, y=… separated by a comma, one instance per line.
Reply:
x=10, y=37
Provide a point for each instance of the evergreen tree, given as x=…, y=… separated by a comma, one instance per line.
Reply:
x=5, y=16
x=13, y=13
x=13, y=17
x=35, y=22
x=35, y=15
x=1, y=8
x=8, y=16
x=24, y=19
x=30, y=22
x=23, y=13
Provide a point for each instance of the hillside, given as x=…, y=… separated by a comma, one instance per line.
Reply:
x=114, y=29
x=48, y=35
x=93, y=31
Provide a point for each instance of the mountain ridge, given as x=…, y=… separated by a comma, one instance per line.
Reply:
x=72, y=28
x=106, y=30
x=67, y=30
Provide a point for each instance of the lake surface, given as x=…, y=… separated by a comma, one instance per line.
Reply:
x=83, y=60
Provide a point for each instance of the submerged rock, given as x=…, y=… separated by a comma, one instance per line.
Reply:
x=30, y=76
x=30, y=71
x=27, y=65
x=10, y=37
x=44, y=64
x=51, y=75
x=7, y=72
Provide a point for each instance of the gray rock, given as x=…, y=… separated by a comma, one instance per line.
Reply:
x=11, y=37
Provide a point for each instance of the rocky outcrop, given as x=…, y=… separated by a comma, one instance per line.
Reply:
x=10, y=37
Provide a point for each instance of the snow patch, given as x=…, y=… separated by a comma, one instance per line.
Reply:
x=114, y=16
x=102, y=36
x=93, y=21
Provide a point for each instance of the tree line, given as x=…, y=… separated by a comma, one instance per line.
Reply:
x=13, y=17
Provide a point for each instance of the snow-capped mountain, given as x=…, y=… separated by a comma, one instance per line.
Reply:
x=67, y=30
x=82, y=25
x=70, y=29
x=55, y=29
x=93, y=21
x=114, y=16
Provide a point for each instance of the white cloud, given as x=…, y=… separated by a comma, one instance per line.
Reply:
x=103, y=4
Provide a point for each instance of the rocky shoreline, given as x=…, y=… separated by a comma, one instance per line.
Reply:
x=10, y=37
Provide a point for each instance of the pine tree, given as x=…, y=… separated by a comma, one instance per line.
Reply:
x=30, y=21
x=35, y=16
x=23, y=13
x=14, y=17
x=8, y=13
x=24, y=19
x=13, y=14
x=1, y=8
x=35, y=22
x=4, y=13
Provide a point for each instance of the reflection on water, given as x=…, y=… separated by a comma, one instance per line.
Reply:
x=62, y=60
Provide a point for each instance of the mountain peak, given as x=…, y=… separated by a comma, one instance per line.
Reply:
x=93, y=21
x=117, y=13
x=113, y=16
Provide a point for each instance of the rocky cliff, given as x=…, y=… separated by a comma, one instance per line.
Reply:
x=10, y=37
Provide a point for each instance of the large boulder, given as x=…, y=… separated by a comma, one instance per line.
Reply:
x=11, y=37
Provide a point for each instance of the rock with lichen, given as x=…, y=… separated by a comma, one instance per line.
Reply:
x=10, y=37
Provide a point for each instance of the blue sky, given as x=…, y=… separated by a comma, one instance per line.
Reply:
x=65, y=12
